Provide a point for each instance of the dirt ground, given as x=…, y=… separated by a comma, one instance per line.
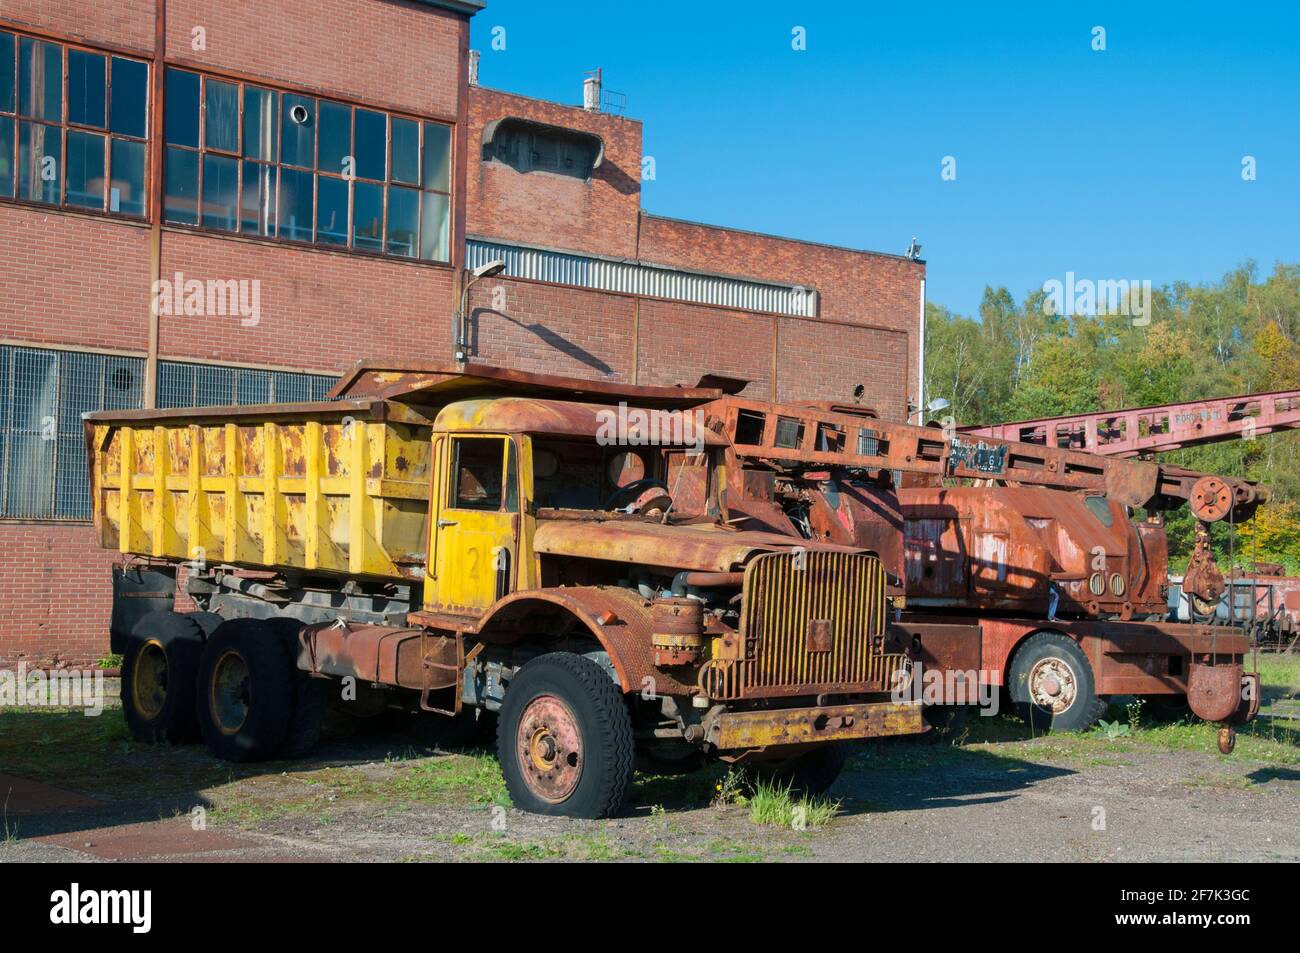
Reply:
x=77, y=788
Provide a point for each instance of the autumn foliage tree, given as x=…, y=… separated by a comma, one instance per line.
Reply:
x=1241, y=334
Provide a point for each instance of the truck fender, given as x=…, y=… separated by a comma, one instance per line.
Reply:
x=618, y=619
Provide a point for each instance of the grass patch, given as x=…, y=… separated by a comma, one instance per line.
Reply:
x=773, y=805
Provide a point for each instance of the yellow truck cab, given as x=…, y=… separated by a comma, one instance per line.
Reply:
x=549, y=554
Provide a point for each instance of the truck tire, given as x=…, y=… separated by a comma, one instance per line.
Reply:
x=564, y=738
x=1052, y=685
x=245, y=691
x=310, y=696
x=158, y=672
x=810, y=774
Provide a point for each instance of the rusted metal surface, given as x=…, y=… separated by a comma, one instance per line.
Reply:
x=799, y=437
x=941, y=647
x=633, y=426
x=678, y=637
x=636, y=542
x=765, y=728
x=1127, y=658
x=573, y=610
x=1143, y=430
x=1203, y=579
x=815, y=618
x=338, y=488
x=1214, y=691
x=1030, y=549
x=376, y=654
x=439, y=383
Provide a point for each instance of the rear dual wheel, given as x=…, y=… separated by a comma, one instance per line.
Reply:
x=158, y=673
x=253, y=701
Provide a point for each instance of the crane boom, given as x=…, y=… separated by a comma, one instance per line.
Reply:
x=1137, y=431
x=805, y=437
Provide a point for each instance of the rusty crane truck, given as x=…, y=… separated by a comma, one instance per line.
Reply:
x=1047, y=583
x=452, y=540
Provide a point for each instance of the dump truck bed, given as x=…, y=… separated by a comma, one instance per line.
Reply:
x=332, y=487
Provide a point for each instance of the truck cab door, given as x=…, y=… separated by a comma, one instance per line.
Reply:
x=476, y=523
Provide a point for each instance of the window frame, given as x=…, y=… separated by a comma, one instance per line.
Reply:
x=278, y=165
x=509, y=455
x=64, y=125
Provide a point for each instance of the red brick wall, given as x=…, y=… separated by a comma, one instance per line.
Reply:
x=679, y=343
x=824, y=362
x=78, y=280
x=388, y=52
x=55, y=595
x=853, y=288
x=70, y=279
x=319, y=309
x=556, y=211
x=553, y=329
x=125, y=23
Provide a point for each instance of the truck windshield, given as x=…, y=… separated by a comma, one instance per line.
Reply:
x=584, y=475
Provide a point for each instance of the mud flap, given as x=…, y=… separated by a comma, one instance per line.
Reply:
x=1214, y=692
x=138, y=591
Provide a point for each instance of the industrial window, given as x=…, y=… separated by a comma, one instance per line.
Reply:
x=73, y=126
x=257, y=161
x=535, y=147
x=43, y=394
x=202, y=385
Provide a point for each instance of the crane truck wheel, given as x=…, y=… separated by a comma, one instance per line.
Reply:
x=158, y=669
x=564, y=738
x=245, y=690
x=810, y=774
x=1052, y=685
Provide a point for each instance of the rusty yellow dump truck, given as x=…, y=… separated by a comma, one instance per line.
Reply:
x=475, y=543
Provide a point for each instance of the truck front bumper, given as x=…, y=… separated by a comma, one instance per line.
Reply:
x=797, y=726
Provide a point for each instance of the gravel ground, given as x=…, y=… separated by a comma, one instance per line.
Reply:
x=1064, y=797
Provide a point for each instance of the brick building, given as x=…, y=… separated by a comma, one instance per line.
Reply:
x=216, y=202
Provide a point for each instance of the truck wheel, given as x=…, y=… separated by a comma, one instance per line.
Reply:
x=1052, y=685
x=245, y=689
x=810, y=774
x=564, y=738
x=310, y=696
x=158, y=669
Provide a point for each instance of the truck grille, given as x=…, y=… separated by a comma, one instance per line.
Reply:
x=810, y=623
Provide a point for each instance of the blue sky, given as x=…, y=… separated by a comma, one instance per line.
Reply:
x=1118, y=164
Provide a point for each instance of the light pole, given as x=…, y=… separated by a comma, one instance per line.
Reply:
x=494, y=267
